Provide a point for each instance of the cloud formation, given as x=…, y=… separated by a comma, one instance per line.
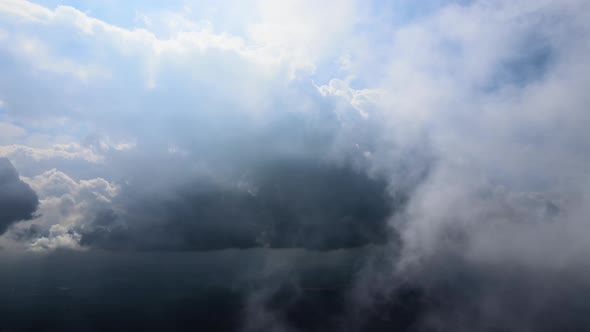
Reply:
x=435, y=152
x=17, y=200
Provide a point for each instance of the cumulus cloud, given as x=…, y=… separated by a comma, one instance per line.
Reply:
x=64, y=205
x=17, y=200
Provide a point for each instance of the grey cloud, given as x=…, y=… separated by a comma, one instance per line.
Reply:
x=281, y=204
x=291, y=179
x=17, y=200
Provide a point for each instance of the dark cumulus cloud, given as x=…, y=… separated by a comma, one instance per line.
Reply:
x=17, y=200
x=281, y=204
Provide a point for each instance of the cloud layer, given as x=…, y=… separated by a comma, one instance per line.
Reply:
x=383, y=165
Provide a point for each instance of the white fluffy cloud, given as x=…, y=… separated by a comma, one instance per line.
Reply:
x=499, y=92
x=65, y=205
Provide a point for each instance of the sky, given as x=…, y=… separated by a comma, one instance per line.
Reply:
x=294, y=166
